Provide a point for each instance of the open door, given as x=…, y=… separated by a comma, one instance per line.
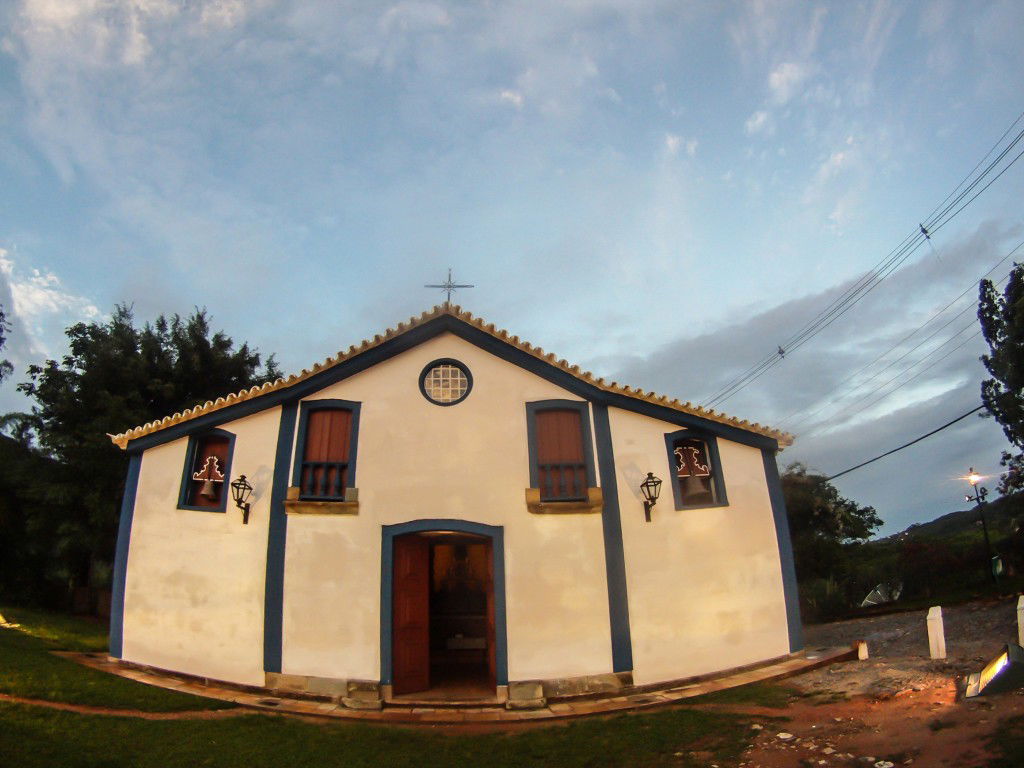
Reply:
x=411, y=615
x=492, y=668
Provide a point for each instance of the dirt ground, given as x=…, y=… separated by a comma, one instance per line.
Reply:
x=899, y=707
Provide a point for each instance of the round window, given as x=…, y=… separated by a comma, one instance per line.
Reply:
x=446, y=382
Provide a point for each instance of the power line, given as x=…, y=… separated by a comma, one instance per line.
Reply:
x=916, y=375
x=940, y=216
x=785, y=421
x=906, y=445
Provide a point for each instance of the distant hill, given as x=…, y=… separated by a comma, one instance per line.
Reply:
x=1000, y=514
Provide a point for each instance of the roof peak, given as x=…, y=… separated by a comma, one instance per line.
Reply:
x=457, y=312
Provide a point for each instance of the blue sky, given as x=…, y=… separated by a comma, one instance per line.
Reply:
x=661, y=192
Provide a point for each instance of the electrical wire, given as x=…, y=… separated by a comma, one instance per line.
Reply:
x=946, y=211
x=906, y=445
x=785, y=422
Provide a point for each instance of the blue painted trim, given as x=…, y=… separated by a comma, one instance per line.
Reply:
x=124, y=536
x=483, y=340
x=308, y=406
x=789, y=587
x=446, y=361
x=717, y=471
x=614, y=551
x=190, y=460
x=495, y=533
x=583, y=408
x=277, y=534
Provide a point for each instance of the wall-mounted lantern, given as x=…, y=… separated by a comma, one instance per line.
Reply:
x=650, y=488
x=240, y=491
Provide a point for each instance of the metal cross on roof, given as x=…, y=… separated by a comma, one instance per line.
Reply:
x=448, y=286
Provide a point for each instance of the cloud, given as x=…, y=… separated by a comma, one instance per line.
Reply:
x=513, y=97
x=845, y=405
x=787, y=80
x=757, y=122
x=675, y=142
x=41, y=306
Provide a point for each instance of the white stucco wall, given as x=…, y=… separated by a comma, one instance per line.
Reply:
x=704, y=585
x=470, y=462
x=195, y=580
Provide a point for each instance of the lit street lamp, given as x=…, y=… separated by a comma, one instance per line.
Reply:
x=980, y=494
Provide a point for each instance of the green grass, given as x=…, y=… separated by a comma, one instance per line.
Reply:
x=35, y=737
x=68, y=633
x=28, y=669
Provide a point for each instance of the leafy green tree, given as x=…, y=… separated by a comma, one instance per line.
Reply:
x=116, y=376
x=1002, y=323
x=828, y=532
x=5, y=365
x=821, y=521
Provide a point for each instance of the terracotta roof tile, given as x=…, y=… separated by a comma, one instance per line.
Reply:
x=122, y=439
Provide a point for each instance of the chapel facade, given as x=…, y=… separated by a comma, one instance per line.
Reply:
x=447, y=511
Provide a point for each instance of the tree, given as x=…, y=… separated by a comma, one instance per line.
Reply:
x=821, y=521
x=116, y=376
x=5, y=365
x=1002, y=323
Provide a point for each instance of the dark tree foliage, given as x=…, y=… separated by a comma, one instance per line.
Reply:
x=5, y=365
x=828, y=533
x=115, y=377
x=821, y=521
x=1002, y=323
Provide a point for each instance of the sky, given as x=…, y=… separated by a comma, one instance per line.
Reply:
x=660, y=192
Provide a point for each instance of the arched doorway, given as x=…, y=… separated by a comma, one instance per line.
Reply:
x=443, y=610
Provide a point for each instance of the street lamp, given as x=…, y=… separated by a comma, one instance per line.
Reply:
x=980, y=494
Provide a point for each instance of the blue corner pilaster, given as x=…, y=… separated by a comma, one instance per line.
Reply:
x=614, y=554
x=273, y=605
x=124, y=536
x=789, y=586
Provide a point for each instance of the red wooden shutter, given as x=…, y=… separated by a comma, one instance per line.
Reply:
x=213, y=445
x=325, y=456
x=561, y=467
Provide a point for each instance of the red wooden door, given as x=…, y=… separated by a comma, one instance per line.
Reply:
x=410, y=653
x=491, y=663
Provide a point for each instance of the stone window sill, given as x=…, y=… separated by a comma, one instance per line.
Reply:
x=293, y=505
x=592, y=504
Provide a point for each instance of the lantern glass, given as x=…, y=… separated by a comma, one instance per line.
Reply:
x=240, y=490
x=651, y=487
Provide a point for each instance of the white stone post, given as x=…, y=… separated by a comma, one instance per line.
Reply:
x=936, y=634
x=1020, y=620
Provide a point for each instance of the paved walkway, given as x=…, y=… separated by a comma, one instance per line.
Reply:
x=629, y=700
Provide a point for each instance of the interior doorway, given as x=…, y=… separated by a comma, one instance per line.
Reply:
x=443, y=627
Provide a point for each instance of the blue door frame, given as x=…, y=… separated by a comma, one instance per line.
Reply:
x=495, y=533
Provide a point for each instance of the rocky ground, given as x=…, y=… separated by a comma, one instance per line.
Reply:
x=899, y=707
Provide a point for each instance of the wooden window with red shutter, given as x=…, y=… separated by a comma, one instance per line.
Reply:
x=325, y=458
x=561, y=461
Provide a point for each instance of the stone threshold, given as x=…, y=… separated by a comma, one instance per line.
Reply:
x=260, y=699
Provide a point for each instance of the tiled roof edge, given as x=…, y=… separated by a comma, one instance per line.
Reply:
x=121, y=440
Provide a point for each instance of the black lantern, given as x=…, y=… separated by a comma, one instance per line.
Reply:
x=650, y=488
x=240, y=491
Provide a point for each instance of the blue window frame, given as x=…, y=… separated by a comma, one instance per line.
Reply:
x=695, y=469
x=201, y=446
x=565, y=477
x=325, y=480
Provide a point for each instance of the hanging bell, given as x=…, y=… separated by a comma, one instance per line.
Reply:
x=208, y=490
